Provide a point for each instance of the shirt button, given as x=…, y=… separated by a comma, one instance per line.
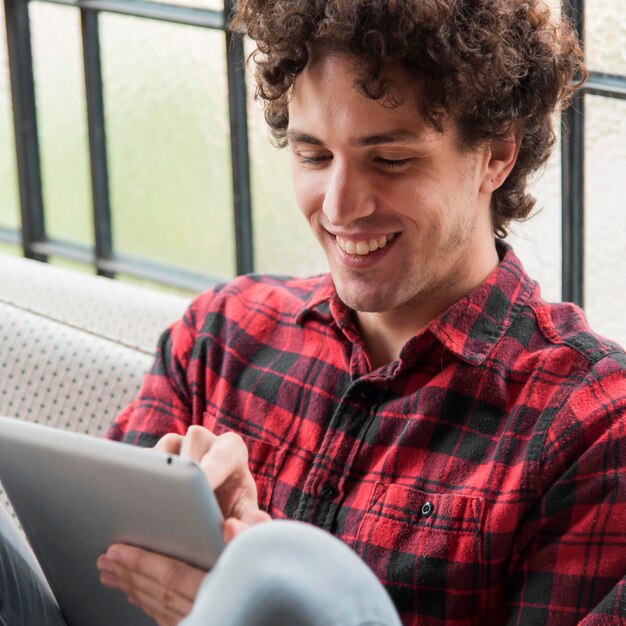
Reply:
x=328, y=491
x=366, y=394
x=427, y=509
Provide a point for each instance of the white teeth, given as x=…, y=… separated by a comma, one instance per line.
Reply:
x=362, y=248
x=365, y=246
x=349, y=246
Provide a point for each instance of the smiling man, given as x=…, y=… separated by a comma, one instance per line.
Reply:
x=421, y=402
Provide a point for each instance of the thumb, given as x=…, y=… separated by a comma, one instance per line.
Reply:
x=234, y=526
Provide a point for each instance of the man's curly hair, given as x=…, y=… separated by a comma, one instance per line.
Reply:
x=489, y=65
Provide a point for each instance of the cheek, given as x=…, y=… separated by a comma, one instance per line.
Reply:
x=420, y=209
x=308, y=194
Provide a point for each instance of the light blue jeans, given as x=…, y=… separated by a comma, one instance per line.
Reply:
x=25, y=597
x=280, y=572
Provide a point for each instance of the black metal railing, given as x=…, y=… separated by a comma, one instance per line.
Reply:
x=35, y=242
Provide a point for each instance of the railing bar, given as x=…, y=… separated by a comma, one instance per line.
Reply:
x=606, y=85
x=240, y=157
x=606, y=93
x=610, y=76
x=164, y=275
x=573, y=189
x=125, y=264
x=97, y=138
x=25, y=125
x=573, y=183
x=9, y=235
x=206, y=18
x=65, y=250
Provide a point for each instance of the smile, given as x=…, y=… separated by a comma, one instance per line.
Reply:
x=365, y=246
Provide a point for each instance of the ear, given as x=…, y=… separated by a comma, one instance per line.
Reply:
x=502, y=155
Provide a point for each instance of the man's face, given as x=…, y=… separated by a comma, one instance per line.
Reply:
x=396, y=206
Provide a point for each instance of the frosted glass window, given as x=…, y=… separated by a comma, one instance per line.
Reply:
x=605, y=219
x=9, y=196
x=9, y=248
x=62, y=121
x=538, y=240
x=169, y=143
x=605, y=35
x=283, y=240
x=217, y=5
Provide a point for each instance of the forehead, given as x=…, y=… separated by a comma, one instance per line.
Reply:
x=325, y=99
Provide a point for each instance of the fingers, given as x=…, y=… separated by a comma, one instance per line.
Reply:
x=162, y=587
x=183, y=579
x=224, y=461
x=234, y=526
x=219, y=456
x=193, y=445
x=197, y=442
x=226, y=458
x=170, y=444
x=156, y=601
x=256, y=517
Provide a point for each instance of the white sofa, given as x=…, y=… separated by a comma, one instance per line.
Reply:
x=73, y=346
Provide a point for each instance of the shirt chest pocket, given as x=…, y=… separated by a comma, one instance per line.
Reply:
x=264, y=459
x=427, y=550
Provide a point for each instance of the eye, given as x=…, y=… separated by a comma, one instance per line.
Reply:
x=313, y=159
x=393, y=164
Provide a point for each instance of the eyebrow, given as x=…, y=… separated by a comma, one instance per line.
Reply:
x=394, y=136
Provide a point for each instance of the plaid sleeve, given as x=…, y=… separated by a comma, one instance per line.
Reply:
x=163, y=404
x=570, y=561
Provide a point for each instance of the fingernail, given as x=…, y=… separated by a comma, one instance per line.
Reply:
x=108, y=581
x=104, y=564
x=115, y=556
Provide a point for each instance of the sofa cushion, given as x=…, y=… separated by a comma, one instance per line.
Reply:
x=74, y=347
x=63, y=376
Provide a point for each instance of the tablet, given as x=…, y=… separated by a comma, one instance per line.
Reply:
x=75, y=495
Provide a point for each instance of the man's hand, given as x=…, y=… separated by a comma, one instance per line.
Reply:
x=224, y=460
x=165, y=588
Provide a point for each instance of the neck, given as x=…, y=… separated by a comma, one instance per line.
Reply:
x=385, y=333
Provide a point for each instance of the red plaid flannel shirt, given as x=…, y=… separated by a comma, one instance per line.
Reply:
x=481, y=475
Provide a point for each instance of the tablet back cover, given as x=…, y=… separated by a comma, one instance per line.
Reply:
x=76, y=495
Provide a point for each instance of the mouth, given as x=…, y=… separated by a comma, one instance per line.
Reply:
x=364, y=247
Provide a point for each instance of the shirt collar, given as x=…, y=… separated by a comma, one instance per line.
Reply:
x=470, y=328
x=319, y=300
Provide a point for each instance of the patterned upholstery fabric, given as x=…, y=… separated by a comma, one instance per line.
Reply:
x=125, y=314
x=74, y=347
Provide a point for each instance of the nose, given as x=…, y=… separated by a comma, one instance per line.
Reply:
x=348, y=196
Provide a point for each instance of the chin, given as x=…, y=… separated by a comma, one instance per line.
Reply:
x=374, y=302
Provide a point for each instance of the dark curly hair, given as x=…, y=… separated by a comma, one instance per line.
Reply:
x=486, y=64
